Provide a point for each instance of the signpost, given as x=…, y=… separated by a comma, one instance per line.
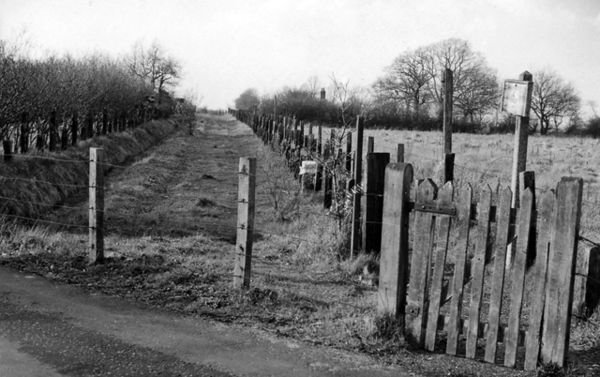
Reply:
x=516, y=100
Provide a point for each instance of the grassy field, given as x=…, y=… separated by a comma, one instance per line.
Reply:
x=487, y=159
x=170, y=227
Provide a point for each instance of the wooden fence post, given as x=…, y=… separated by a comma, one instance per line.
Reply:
x=356, y=198
x=561, y=271
x=520, y=142
x=370, y=144
x=245, y=223
x=96, y=207
x=400, y=153
x=393, y=274
x=448, y=82
x=320, y=140
x=372, y=201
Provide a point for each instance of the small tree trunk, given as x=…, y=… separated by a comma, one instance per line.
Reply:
x=104, y=122
x=52, y=131
x=24, y=137
x=64, y=139
x=7, y=146
x=90, y=125
x=40, y=140
x=74, y=128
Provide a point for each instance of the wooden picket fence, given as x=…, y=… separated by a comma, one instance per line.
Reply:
x=444, y=252
x=456, y=268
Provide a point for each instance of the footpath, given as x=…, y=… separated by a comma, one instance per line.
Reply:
x=48, y=329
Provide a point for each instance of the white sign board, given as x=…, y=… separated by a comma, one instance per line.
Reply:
x=514, y=97
x=308, y=167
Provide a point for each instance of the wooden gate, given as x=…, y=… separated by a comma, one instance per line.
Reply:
x=443, y=268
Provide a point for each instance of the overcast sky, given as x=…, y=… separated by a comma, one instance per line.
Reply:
x=226, y=46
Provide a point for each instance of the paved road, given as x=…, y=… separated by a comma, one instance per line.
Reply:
x=53, y=330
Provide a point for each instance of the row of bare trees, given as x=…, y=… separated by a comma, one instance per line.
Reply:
x=409, y=94
x=412, y=83
x=53, y=102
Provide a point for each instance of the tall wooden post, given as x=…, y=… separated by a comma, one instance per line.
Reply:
x=520, y=147
x=355, y=240
x=448, y=81
x=245, y=222
x=520, y=151
x=96, y=207
x=372, y=201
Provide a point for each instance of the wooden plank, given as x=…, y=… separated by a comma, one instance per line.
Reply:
x=393, y=274
x=478, y=267
x=355, y=239
x=435, y=293
x=245, y=223
x=561, y=271
x=96, y=207
x=463, y=328
x=518, y=277
x=461, y=227
x=373, y=201
x=500, y=245
x=419, y=266
x=586, y=291
x=538, y=276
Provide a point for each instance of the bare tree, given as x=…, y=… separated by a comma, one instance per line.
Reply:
x=553, y=100
x=414, y=79
x=406, y=80
x=475, y=84
x=152, y=64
